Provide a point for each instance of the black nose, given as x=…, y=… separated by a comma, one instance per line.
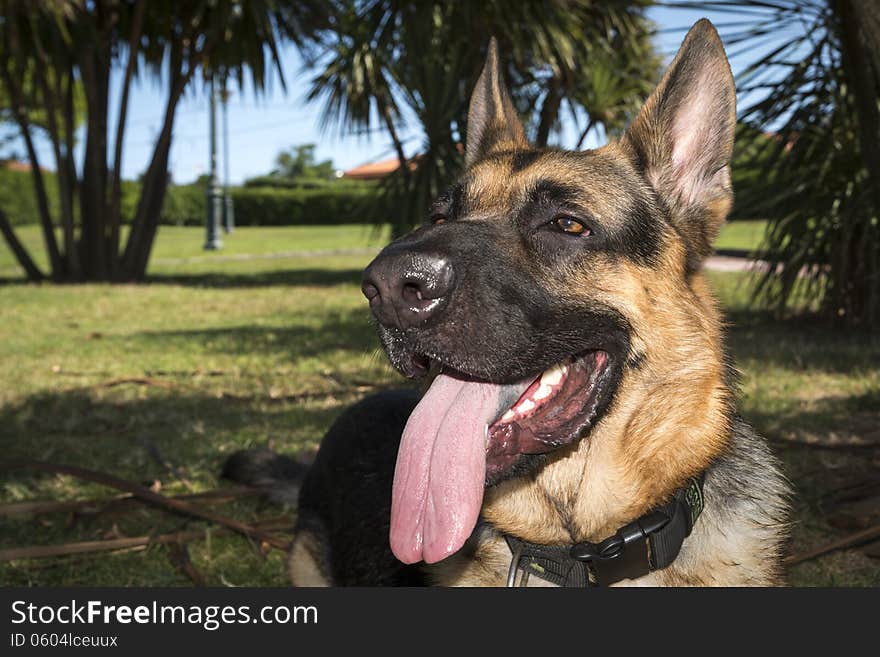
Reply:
x=406, y=288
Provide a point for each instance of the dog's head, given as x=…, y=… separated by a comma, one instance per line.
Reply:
x=536, y=284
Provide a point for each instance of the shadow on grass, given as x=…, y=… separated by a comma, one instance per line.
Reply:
x=829, y=421
x=803, y=343
x=297, y=337
x=157, y=434
x=291, y=277
x=13, y=280
x=179, y=438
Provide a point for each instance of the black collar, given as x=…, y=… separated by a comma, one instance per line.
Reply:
x=650, y=543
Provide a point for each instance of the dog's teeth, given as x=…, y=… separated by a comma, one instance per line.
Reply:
x=508, y=416
x=525, y=406
x=554, y=375
x=543, y=391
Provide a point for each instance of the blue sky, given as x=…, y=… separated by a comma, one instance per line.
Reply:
x=259, y=127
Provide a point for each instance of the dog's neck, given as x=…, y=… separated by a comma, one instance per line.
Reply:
x=669, y=421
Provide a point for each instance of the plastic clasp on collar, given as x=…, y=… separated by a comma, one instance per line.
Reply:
x=608, y=549
x=623, y=555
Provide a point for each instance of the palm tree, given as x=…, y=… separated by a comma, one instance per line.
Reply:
x=63, y=42
x=386, y=59
x=816, y=90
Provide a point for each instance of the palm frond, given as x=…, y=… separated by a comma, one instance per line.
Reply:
x=811, y=148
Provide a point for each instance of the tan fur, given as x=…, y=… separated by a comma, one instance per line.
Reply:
x=305, y=562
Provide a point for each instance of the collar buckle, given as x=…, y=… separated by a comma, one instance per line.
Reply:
x=652, y=542
x=608, y=549
x=625, y=555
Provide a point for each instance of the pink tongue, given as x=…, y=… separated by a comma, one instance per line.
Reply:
x=441, y=469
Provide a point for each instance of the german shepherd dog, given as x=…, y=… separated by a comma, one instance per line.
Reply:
x=580, y=422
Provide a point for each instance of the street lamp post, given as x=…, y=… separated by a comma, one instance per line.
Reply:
x=228, y=210
x=213, y=241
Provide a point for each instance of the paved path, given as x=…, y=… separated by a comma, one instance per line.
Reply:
x=731, y=263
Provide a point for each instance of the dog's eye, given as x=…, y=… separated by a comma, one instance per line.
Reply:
x=570, y=225
x=438, y=219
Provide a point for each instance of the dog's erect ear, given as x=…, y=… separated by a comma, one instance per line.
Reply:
x=683, y=139
x=492, y=120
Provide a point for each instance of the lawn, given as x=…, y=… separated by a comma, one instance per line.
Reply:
x=741, y=236
x=176, y=245
x=267, y=340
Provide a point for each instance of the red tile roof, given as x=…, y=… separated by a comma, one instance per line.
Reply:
x=374, y=170
x=15, y=165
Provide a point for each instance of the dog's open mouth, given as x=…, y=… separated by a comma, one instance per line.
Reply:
x=551, y=413
x=465, y=434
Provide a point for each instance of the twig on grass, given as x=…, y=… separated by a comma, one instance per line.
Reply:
x=155, y=453
x=145, y=494
x=869, y=441
x=57, y=369
x=858, y=538
x=120, y=504
x=178, y=555
x=138, y=380
x=357, y=387
x=306, y=396
x=126, y=543
x=64, y=549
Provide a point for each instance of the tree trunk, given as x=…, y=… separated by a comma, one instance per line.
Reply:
x=395, y=138
x=69, y=143
x=116, y=184
x=860, y=27
x=155, y=183
x=863, y=71
x=43, y=205
x=31, y=270
x=590, y=125
x=146, y=219
x=52, y=98
x=21, y=119
x=94, y=70
x=140, y=242
x=549, y=111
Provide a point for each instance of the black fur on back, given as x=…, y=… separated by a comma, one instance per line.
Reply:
x=344, y=499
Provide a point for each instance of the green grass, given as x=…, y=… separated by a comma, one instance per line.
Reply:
x=182, y=242
x=800, y=378
x=234, y=340
x=175, y=243
x=225, y=344
x=806, y=386
x=741, y=235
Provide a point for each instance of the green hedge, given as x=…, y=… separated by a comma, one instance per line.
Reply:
x=275, y=207
x=337, y=184
x=17, y=197
x=185, y=204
